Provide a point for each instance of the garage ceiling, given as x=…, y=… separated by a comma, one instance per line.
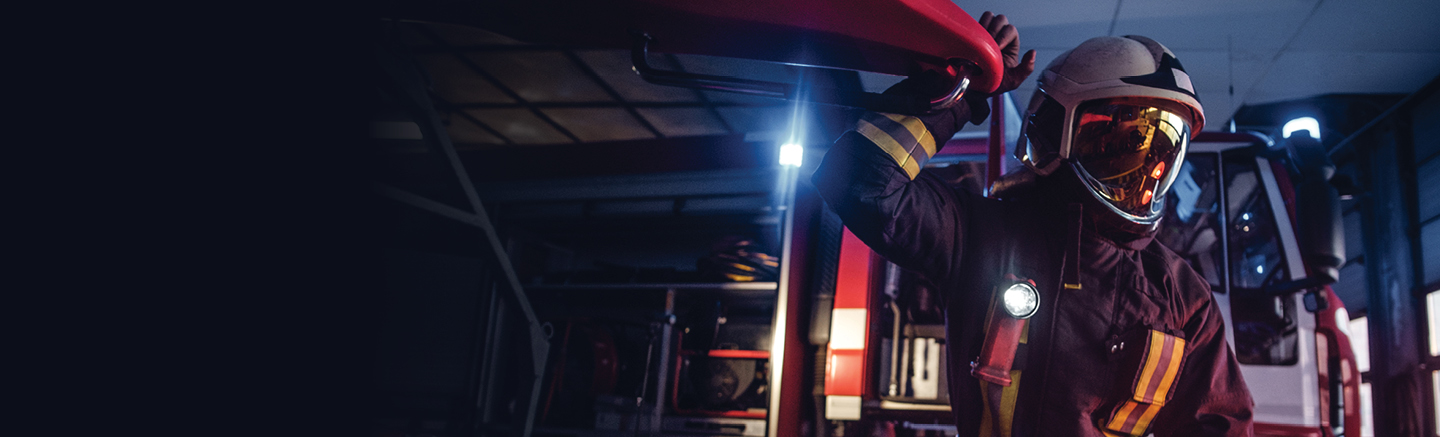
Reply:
x=495, y=91
x=1270, y=50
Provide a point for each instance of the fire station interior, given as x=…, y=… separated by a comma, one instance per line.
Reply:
x=572, y=250
x=558, y=226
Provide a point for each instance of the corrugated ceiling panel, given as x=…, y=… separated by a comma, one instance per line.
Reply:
x=520, y=125
x=541, y=76
x=599, y=124
x=614, y=67
x=680, y=122
x=457, y=83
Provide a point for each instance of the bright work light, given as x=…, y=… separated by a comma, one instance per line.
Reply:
x=1302, y=123
x=1021, y=300
x=792, y=154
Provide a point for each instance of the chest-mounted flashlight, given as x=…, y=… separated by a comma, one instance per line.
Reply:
x=1014, y=302
x=1021, y=300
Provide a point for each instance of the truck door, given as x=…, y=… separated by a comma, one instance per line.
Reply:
x=1228, y=216
x=1274, y=337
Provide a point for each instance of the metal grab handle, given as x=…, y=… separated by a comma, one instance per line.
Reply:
x=893, y=103
x=641, y=49
x=954, y=96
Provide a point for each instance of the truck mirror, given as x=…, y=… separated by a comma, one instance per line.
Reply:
x=1320, y=230
x=1315, y=300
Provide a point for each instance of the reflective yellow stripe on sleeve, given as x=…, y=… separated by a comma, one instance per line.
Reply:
x=903, y=137
x=917, y=130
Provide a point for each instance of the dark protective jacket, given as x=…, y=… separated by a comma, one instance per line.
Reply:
x=1088, y=349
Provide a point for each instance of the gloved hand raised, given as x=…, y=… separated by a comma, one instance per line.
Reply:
x=945, y=123
x=1016, y=68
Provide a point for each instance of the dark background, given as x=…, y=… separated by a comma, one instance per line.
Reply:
x=188, y=219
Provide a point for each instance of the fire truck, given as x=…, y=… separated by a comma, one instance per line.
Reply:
x=1255, y=218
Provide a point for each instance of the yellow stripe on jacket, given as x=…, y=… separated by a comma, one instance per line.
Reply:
x=903, y=137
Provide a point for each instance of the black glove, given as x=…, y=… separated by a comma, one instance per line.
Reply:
x=974, y=107
x=945, y=123
x=1016, y=68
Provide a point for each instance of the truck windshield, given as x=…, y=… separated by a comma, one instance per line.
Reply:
x=1265, y=325
x=1255, y=259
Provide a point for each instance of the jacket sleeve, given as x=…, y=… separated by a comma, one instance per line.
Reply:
x=871, y=178
x=1211, y=398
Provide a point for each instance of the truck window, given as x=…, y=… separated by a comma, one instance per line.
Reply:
x=1191, y=225
x=1266, y=331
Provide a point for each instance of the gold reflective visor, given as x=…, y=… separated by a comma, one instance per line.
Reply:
x=1129, y=150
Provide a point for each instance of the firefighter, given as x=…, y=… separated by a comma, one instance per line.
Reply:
x=1064, y=316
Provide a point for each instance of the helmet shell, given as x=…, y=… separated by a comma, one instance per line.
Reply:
x=1103, y=68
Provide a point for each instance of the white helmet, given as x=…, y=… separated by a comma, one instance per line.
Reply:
x=1121, y=113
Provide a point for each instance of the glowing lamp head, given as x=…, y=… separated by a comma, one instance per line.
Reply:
x=1308, y=124
x=792, y=155
x=1021, y=300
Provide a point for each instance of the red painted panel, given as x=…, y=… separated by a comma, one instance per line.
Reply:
x=852, y=283
x=965, y=146
x=891, y=25
x=1337, y=344
x=846, y=372
x=865, y=35
x=724, y=353
x=1276, y=430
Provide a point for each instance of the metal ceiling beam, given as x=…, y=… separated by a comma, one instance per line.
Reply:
x=585, y=68
x=456, y=109
x=701, y=95
x=1344, y=147
x=400, y=75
